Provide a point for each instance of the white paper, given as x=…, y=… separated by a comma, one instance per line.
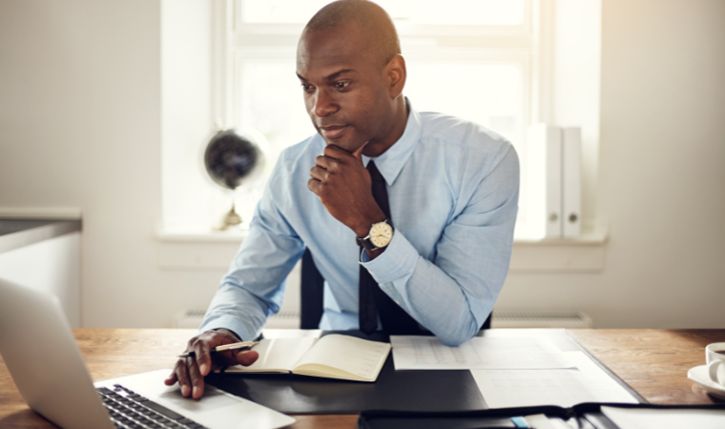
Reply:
x=422, y=352
x=562, y=387
x=665, y=419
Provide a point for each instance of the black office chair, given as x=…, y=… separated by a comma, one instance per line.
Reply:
x=312, y=291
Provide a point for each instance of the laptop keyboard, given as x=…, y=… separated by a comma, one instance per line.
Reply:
x=129, y=410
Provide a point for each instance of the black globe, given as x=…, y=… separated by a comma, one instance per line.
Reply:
x=229, y=158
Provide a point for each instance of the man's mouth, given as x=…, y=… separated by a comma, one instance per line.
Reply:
x=333, y=131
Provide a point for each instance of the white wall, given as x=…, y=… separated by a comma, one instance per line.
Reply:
x=50, y=266
x=81, y=125
x=661, y=173
x=186, y=116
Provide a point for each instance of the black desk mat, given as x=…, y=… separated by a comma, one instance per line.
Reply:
x=407, y=390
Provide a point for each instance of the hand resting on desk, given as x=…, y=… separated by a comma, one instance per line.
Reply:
x=190, y=371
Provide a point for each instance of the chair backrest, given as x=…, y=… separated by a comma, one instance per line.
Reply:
x=312, y=292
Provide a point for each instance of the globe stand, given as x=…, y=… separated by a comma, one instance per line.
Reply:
x=231, y=220
x=231, y=159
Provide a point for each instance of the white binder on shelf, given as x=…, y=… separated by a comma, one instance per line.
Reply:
x=544, y=156
x=571, y=182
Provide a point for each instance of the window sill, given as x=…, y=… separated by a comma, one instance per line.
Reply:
x=219, y=237
x=213, y=250
x=584, y=254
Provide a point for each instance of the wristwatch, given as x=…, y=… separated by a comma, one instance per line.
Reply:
x=380, y=235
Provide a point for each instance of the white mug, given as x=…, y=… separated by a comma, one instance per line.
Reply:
x=715, y=355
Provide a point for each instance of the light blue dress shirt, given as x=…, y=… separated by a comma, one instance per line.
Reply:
x=453, y=188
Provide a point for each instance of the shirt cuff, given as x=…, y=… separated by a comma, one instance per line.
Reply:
x=230, y=323
x=398, y=261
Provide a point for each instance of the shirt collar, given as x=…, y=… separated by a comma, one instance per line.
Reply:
x=391, y=162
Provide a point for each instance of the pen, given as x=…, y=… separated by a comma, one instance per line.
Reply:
x=520, y=422
x=225, y=347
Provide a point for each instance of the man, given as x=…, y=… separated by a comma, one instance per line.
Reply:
x=409, y=216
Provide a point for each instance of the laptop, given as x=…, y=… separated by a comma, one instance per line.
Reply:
x=41, y=353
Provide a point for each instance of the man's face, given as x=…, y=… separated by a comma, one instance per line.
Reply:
x=345, y=87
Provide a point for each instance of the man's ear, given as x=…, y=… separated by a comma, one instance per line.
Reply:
x=396, y=74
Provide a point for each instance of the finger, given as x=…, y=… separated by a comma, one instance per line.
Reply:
x=247, y=357
x=330, y=164
x=204, y=343
x=171, y=379
x=335, y=152
x=319, y=173
x=197, y=381
x=322, y=161
x=358, y=153
x=203, y=360
x=314, y=185
x=183, y=377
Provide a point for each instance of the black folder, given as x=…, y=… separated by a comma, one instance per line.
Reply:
x=586, y=415
x=408, y=390
x=405, y=390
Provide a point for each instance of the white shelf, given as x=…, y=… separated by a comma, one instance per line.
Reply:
x=592, y=238
x=215, y=249
x=167, y=236
x=55, y=213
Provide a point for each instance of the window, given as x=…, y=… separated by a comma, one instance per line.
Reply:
x=475, y=59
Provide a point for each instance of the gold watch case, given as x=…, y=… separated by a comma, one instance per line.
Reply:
x=381, y=234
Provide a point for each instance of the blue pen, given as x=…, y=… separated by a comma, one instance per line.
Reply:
x=520, y=422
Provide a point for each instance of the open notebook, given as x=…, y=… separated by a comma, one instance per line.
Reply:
x=332, y=356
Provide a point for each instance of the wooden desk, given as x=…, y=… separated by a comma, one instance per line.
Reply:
x=653, y=362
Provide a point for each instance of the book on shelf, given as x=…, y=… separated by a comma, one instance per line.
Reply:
x=332, y=356
x=571, y=181
x=543, y=175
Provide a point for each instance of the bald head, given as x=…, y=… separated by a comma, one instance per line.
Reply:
x=375, y=23
x=352, y=76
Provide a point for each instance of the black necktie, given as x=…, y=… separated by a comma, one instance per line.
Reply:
x=373, y=300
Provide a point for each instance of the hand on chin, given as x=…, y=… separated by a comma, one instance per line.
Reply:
x=346, y=145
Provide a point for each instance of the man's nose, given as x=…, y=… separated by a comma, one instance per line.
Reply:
x=325, y=104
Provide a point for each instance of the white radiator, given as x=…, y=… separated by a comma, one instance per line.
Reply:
x=191, y=319
x=540, y=319
x=284, y=320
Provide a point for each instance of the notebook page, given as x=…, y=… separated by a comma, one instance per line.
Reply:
x=275, y=355
x=359, y=357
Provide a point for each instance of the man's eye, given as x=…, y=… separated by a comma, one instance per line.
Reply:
x=306, y=86
x=341, y=85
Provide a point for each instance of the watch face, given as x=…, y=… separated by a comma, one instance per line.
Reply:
x=380, y=234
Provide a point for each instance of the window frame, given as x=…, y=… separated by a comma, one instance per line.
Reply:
x=529, y=42
x=529, y=45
